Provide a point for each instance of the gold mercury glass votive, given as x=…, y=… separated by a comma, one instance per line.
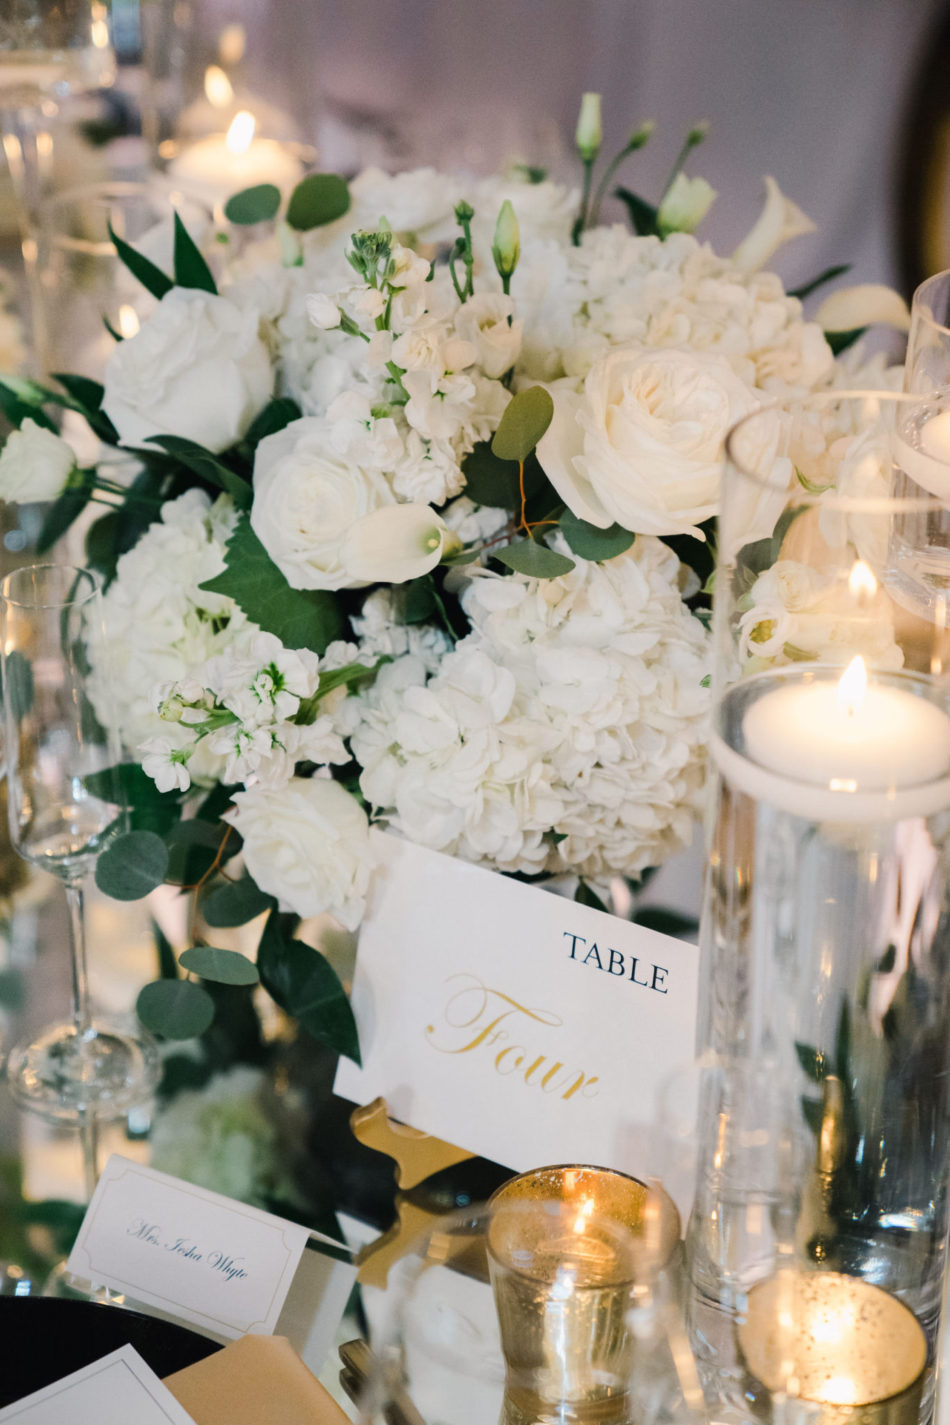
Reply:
x=567, y=1247
x=850, y=1350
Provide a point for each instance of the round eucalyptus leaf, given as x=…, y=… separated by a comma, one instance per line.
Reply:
x=175, y=1009
x=132, y=866
x=226, y=967
x=253, y=205
x=527, y=416
x=317, y=199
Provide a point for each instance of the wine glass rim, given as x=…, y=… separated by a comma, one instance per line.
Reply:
x=832, y=498
x=78, y=599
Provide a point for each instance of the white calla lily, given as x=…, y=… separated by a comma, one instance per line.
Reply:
x=868, y=304
x=779, y=221
x=396, y=543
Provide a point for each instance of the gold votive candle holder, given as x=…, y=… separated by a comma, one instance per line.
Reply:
x=566, y=1250
x=849, y=1350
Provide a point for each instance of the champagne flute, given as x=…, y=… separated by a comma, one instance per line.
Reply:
x=64, y=806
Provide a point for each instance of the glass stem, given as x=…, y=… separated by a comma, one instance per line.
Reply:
x=27, y=144
x=82, y=1018
x=89, y=1141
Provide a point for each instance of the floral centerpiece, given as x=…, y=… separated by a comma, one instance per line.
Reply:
x=416, y=533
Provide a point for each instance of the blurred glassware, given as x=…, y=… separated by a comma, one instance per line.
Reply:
x=927, y=363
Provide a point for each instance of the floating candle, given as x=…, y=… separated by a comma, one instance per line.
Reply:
x=222, y=164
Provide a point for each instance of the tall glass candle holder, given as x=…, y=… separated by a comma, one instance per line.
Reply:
x=827, y=941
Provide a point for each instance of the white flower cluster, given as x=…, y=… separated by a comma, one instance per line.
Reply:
x=564, y=732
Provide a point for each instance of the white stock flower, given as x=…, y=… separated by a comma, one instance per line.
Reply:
x=306, y=843
x=486, y=323
x=779, y=221
x=35, y=464
x=395, y=543
x=323, y=311
x=197, y=368
x=643, y=446
x=166, y=762
x=306, y=499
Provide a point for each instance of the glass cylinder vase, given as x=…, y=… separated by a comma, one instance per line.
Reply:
x=826, y=939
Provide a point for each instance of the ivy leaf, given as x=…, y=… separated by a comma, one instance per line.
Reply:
x=132, y=866
x=318, y=199
x=225, y=967
x=527, y=416
x=300, y=618
x=274, y=417
x=253, y=205
x=643, y=215
x=152, y=278
x=175, y=1009
x=304, y=984
x=191, y=270
x=526, y=556
x=194, y=457
x=235, y=903
x=589, y=542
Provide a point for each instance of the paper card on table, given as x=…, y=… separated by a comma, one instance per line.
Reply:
x=510, y=1021
x=115, y=1390
x=193, y=1254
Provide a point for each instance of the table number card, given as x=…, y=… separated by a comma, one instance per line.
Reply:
x=510, y=1021
x=116, y=1390
x=192, y=1254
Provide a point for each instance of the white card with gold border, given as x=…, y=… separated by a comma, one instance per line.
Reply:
x=515, y=1023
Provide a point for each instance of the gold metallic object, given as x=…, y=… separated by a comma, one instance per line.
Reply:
x=837, y=1342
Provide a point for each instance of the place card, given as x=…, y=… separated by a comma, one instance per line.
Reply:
x=512, y=1022
x=223, y=1266
x=115, y=1390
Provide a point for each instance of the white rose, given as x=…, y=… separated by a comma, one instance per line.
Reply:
x=34, y=464
x=642, y=446
x=197, y=368
x=307, y=843
x=306, y=499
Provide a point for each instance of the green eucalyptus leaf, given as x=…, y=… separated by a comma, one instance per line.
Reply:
x=589, y=542
x=194, y=457
x=527, y=416
x=306, y=986
x=175, y=1009
x=318, y=199
x=490, y=481
x=300, y=618
x=152, y=278
x=191, y=270
x=235, y=903
x=253, y=205
x=225, y=967
x=526, y=556
x=149, y=809
x=132, y=866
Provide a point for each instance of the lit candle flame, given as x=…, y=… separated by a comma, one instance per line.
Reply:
x=128, y=320
x=583, y=1215
x=218, y=87
x=862, y=583
x=241, y=133
x=853, y=686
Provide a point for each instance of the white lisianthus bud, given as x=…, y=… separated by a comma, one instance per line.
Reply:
x=779, y=222
x=323, y=311
x=589, y=131
x=506, y=246
x=35, y=464
x=396, y=543
x=685, y=204
x=868, y=304
x=641, y=136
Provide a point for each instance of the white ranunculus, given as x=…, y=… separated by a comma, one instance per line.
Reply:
x=396, y=543
x=779, y=221
x=307, y=843
x=197, y=368
x=34, y=464
x=642, y=446
x=306, y=499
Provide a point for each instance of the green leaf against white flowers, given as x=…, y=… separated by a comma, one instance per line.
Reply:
x=300, y=618
x=840, y=341
x=132, y=866
x=17, y=409
x=274, y=417
x=65, y=509
x=175, y=1009
x=152, y=278
x=208, y=466
x=829, y=274
x=235, y=903
x=526, y=556
x=304, y=984
x=85, y=396
x=253, y=205
x=811, y=486
x=225, y=967
x=149, y=809
x=643, y=215
x=191, y=270
x=527, y=416
x=589, y=542
x=318, y=199
x=495, y=482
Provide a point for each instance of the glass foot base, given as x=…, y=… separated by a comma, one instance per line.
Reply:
x=62, y=1075
x=62, y=1284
